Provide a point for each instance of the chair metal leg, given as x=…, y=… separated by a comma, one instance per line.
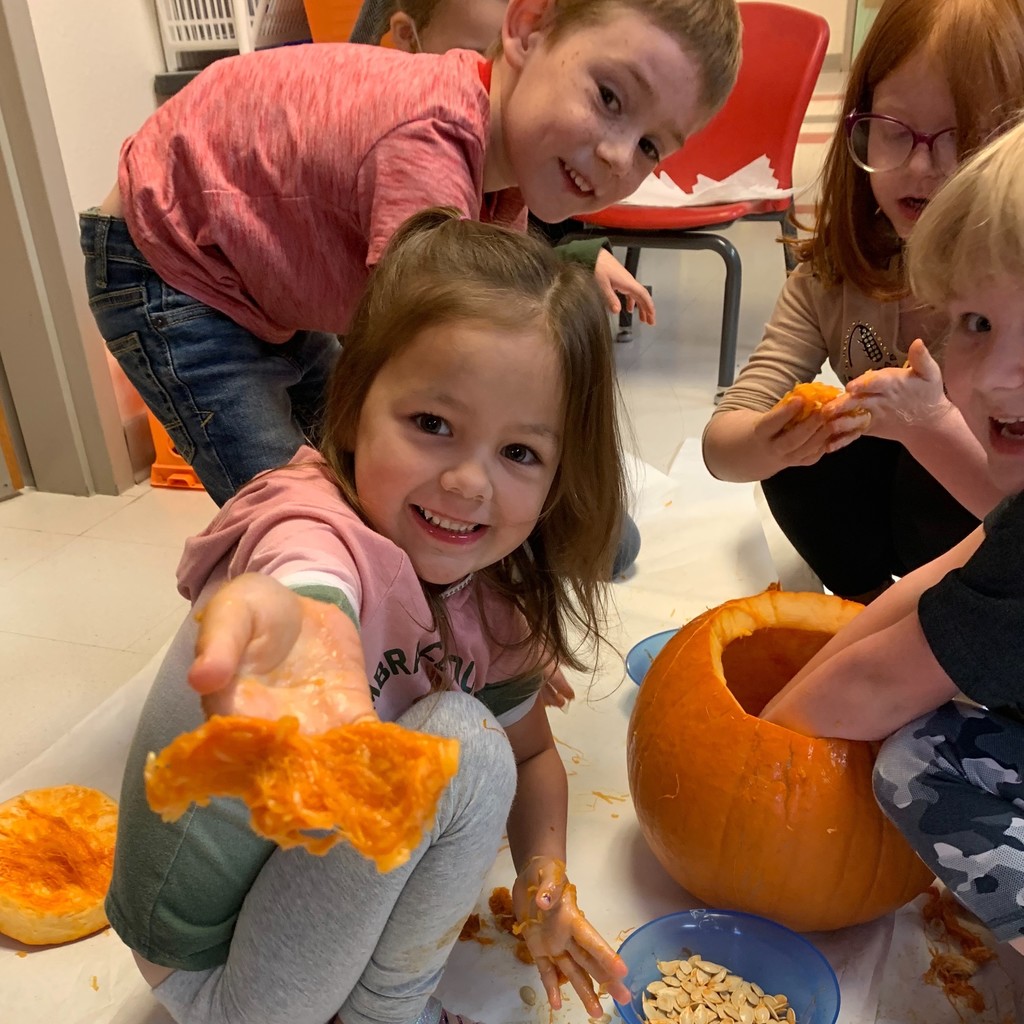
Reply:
x=625, y=316
x=730, y=300
x=789, y=233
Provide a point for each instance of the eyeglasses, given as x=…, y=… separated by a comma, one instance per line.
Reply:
x=880, y=143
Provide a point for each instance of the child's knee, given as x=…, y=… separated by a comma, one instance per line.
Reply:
x=485, y=755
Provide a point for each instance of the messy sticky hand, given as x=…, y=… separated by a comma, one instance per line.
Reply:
x=784, y=436
x=266, y=652
x=560, y=938
x=899, y=399
x=614, y=279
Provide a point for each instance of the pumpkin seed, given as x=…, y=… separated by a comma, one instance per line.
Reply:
x=699, y=991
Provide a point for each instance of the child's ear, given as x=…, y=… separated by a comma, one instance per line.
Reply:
x=521, y=29
x=403, y=32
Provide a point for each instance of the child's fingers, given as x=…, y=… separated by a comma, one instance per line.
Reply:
x=225, y=631
x=582, y=983
x=781, y=416
x=645, y=304
x=549, y=979
x=611, y=297
x=607, y=968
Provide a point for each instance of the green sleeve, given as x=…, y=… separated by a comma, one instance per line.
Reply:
x=328, y=595
x=583, y=251
x=504, y=697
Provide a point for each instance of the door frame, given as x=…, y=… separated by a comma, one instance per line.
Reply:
x=65, y=424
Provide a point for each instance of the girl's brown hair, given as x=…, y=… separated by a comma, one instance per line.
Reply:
x=979, y=46
x=439, y=269
x=707, y=30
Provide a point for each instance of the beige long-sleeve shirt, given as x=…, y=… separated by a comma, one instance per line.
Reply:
x=812, y=324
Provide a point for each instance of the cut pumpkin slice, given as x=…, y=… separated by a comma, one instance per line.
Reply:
x=373, y=784
x=56, y=859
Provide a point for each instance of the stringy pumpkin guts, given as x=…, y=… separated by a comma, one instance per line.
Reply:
x=814, y=395
x=56, y=858
x=372, y=783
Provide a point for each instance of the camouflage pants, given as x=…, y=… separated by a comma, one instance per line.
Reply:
x=951, y=781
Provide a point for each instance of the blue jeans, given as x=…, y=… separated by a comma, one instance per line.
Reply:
x=232, y=404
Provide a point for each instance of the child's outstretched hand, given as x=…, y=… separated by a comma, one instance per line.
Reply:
x=560, y=938
x=614, y=279
x=266, y=652
x=899, y=399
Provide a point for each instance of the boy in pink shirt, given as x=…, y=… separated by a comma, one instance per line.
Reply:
x=251, y=208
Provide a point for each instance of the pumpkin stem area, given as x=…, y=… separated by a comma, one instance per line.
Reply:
x=757, y=666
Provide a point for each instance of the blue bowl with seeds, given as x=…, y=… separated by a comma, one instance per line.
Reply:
x=726, y=957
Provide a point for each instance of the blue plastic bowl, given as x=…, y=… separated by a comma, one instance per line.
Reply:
x=759, y=950
x=640, y=656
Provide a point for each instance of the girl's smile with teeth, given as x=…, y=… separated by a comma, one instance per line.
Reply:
x=458, y=442
x=456, y=526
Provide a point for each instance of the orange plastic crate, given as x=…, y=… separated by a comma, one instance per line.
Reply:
x=169, y=468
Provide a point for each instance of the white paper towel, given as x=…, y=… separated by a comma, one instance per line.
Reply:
x=754, y=181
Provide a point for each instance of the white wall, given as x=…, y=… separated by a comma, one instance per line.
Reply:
x=99, y=58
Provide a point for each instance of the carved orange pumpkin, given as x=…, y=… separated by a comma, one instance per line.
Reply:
x=56, y=858
x=745, y=814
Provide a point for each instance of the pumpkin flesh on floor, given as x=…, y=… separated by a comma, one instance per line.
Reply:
x=56, y=859
x=747, y=815
x=374, y=784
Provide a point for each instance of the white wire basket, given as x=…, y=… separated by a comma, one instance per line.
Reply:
x=190, y=29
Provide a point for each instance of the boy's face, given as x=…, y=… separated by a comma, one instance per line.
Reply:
x=584, y=119
x=984, y=374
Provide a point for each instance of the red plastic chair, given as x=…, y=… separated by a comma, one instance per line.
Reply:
x=783, y=50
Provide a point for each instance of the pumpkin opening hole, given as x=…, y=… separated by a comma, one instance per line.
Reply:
x=756, y=667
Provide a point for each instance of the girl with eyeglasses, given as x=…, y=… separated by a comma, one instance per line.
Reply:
x=885, y=477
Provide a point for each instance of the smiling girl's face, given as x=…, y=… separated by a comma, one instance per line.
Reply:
x=458, y=443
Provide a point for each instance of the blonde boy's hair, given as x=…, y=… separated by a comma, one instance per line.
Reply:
x=707, y=30
x=978, y=45
x=972, y=232
x=437, y=270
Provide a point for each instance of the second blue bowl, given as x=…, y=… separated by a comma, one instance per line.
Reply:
x=758, y=950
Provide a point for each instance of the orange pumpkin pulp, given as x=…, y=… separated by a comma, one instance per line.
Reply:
x=56, y=859
x=374, y=784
